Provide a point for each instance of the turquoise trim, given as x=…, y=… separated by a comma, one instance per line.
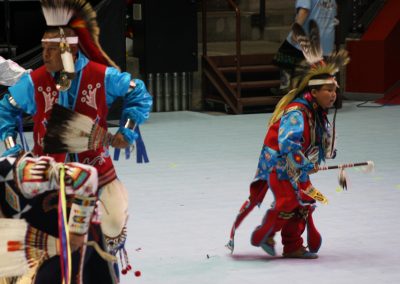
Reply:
x=23, y=93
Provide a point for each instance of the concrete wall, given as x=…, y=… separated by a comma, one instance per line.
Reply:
x=221, y=23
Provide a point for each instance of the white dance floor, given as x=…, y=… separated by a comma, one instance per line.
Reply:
x=184, y=202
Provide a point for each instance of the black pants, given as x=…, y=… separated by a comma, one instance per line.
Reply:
x=43, y=216
x=95, y=270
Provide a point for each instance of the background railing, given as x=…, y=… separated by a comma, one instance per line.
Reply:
x=235, y=8
x=355, y=16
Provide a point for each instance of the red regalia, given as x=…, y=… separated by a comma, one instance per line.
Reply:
x=286, y=173
x=91, y=101
x=288, y=215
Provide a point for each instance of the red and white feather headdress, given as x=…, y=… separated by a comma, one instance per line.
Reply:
x=80, y=16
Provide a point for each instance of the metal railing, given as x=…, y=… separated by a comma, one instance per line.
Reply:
x=259, y=20
x=236, y=8
x=364, y=12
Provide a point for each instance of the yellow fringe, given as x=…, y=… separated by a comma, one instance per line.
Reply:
x=284, y=101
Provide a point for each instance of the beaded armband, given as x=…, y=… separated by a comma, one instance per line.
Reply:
x=130, y=124
x=34, y=176
x=12, y=102
x=315, y=194
x=81, y=213
x=132, y=85
x=9, y=142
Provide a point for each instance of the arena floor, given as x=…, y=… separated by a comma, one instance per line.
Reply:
x=184, y=202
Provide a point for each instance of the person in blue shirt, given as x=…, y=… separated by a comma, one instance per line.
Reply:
x=289, y=55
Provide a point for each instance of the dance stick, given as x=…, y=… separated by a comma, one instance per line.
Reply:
x=369, y=166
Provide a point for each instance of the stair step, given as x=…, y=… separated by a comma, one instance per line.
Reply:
x=250, y=69
x=245, y=59
x=276, y=33
x=221, y=26
x=257, y=101
x=257, y=84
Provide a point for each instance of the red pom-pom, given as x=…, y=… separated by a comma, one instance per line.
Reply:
x=137, y=273
x=124, y=271
x=129, y=267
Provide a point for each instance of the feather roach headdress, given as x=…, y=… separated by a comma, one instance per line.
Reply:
x=313, y=66
x=80, y=16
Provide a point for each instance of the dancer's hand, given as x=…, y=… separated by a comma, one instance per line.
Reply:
x=119, y=141
x=314, y=170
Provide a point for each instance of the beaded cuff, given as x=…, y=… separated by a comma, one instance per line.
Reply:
x=315, y=194
x=9, y=142
x=81, y=212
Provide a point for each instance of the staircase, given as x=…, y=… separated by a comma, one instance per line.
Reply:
x=244, y=79
x=252, y=92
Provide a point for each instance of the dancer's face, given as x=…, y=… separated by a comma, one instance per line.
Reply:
x=51, y=55
x=326, y=96
x=51, y=52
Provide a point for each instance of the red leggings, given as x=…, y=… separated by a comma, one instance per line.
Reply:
x=274, y=221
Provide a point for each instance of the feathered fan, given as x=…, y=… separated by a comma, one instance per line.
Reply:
x=72, y=132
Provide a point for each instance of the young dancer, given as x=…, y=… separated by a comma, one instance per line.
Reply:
x=298, y=139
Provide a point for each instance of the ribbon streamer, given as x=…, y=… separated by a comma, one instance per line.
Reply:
x=65, y=249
